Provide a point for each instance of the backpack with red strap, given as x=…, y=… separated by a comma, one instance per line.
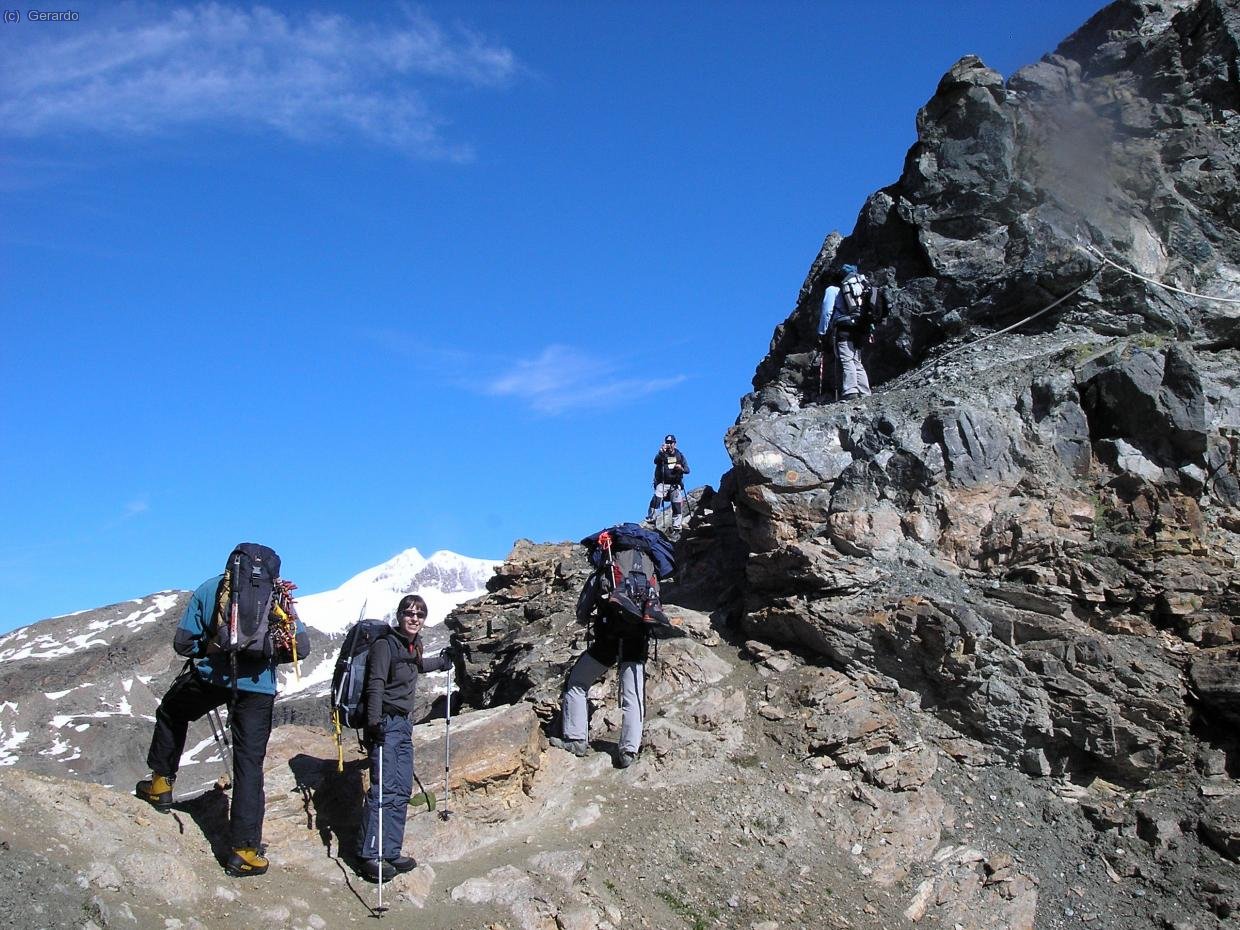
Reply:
x=623, y=589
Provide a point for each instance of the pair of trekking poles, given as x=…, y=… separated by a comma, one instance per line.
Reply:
x=835, y=366
x=424, y=797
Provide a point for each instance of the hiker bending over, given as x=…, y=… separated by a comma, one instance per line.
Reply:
x=392, y=668
x=621, y=599
x=670, y=468
x=849, y=312
x=237, y=628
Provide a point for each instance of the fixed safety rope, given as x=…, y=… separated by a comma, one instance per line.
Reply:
x=1168, y=287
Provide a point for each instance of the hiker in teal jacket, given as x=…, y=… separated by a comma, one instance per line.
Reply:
x=204, y=684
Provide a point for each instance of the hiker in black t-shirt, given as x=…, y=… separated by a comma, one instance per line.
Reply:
x=670, y=467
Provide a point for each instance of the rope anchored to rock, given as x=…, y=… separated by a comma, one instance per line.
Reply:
x=1168, y=287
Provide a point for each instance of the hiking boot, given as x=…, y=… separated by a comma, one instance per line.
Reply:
x=246, y=861
x=578, y=747
x=403, y=864
x=625, y=759
x=156, y=791
x=649, y=521
x=373, y=869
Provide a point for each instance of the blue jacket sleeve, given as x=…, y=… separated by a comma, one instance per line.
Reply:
x=828, y=310
x=191, y=635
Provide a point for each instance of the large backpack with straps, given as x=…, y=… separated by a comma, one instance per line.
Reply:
x=348, y=694
x=861, y=303
x=628, y=560
x=242, y=622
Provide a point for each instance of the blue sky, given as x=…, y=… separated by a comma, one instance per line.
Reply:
x=349, y=278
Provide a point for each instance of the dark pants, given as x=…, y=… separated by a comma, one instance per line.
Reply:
x=397, y=781
x=249, y=719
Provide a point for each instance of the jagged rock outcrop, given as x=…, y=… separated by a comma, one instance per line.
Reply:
x=1037, y=532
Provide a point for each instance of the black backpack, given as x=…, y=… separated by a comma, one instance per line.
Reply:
x=862, y=303
x=241, y=624
x=623, y=589
x=348, y=694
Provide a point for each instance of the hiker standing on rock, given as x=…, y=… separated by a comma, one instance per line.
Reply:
x=849, y=312
x=392, y=668
x=621, y=599
x=237, y=628
x=670, y=468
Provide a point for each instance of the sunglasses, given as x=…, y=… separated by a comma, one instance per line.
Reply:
x=413, y=613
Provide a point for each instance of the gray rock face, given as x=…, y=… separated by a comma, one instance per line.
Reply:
x=1036, y=532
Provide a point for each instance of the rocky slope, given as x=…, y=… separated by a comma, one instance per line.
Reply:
x=1036, y=531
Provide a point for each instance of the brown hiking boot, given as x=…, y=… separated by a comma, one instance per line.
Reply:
x=156, y=791
x=246, y=861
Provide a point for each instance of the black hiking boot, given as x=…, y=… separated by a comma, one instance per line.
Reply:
x=156, y=791
x=371, y=869
x=625, y=759
x=246, y=861
x=403, y=864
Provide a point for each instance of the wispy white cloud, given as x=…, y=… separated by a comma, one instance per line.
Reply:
x=135, y=507
x=561, y=379
x=310, y=77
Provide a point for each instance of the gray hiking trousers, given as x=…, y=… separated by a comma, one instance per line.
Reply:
x=855, y=380
x=585, y=673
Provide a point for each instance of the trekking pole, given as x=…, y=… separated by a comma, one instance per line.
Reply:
x=221, y=737
x=447, y=742
x=448, y=738
x=836, y=366
x=380, y=909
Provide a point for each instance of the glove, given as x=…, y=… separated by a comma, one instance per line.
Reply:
x=374, y=734
x=448, y=654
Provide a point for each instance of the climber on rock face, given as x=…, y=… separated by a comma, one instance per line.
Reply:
x=849, y=312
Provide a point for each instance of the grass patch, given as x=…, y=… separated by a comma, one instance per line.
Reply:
x=698, y=920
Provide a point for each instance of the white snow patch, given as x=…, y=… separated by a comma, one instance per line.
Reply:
x=9, y=745
x=56, y=695
x=187, y=757
x=127, y=684
x=58, y=747
x=22, y=645
x=445, y=580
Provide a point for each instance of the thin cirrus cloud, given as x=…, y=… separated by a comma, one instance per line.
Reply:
x=311, y=77
x=561, y=379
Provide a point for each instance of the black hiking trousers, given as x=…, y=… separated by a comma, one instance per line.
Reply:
x=249, y=719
